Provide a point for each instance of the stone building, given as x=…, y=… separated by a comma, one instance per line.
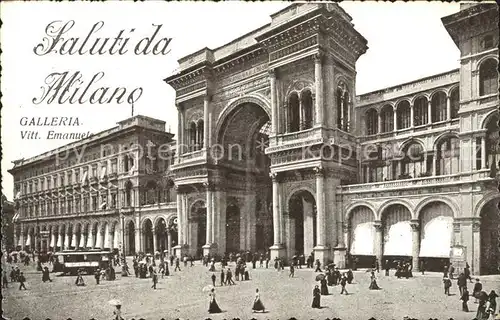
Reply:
x=8, y=213
x=276, y=152
x=111, y=190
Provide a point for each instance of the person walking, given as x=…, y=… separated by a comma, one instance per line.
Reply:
x=118, y=313
x=97, y=276
x=22, y=280
x=324, y=287
x=292, y=271
x=343, y=283
x=422, y=266
x=461, y=282
x=155, y=279
x=464, y=297
x=177, y=264
x=46, y=275
x=257, y=303
x=387, y=267
x=222, y=282
x=491, y=307
x=213, y=306
x=318, y=266
x=447, y=285
x=478, y=287
x=213, y=279
x=229, y=277
x=316, y=303
x=373, y=283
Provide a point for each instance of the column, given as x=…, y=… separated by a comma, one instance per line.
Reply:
x=16, y=239
x=155, y=241
x=137, y=223
x=412, y=115
x=483, y=152
x=22, y=237
x=415, y=247
x=73, y=241
x=274, y=106
x=476, y=244
x=434, y=159
x=66, y=239
x=318, y=78
x=378, y=241
x=320, y=205
x=473, y=156
x=276, y=249
x=429, y=111
x=180, y=132
x=379, y=129
x=180, y=219
x=90, y=237
x=301, y=115
x=209, y=214
x=395, y=118
x=169, y=242
x=99, y=235
x=206, y=121
x=448, y=108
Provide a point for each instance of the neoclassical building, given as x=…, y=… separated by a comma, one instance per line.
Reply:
x=276, y=152
x=112, y=190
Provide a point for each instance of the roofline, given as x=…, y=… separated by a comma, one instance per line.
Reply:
x=409, y=82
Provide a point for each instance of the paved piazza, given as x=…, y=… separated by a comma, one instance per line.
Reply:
x=180, y=296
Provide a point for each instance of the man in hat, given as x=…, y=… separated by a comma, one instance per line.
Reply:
x=447, y=285
x=22, y=280
x=478, y=287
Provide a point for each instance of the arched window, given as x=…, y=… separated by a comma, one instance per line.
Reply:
x=403, y=115
x=454, y=103
x=293, y=113
x=192, y=135
x=420, y=112
x=307, y=109
x=343, y=105
x=448, y=156
x=412, y=165
x=387, y=116
x=488, y=77
x=438, y=104
x=151, y=192
x=128, y=194
x=492, y=148
x=200, y=134
x=371, y=122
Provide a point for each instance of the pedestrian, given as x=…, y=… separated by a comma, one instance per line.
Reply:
x=422, y=266
x=445, y=271
x=292, y=271
x=177, y=264
x=447, y=285
x=465, y=297
x=46, y=275
x=318, y=266
x=222, y=281
x=229, y=277
x=478, y=287
x=155, y=280
x=467, y=273
x=213, y=306
x=118, y=313
x=491, y=307
x=79, y=279
x=451, y=271
x=350, y=276
x=373, y=283
x=377, y=265
x=213, y=279
x=324, y=287
x=387, y=267
x=267, y=262
x=257, y=304
x=5, y=282
x=316, y=298
x=343, y=283
x=97, y=276
x=22, y=280
x=461, y=282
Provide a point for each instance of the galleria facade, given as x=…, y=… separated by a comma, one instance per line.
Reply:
x=275, y=152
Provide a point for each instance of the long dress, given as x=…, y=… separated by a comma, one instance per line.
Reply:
x=257, y=304
x=316, y=298
x=213, y=307
x=324, y=288
x=373, y=284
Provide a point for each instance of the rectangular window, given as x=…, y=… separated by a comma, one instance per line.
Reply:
x=94, y=203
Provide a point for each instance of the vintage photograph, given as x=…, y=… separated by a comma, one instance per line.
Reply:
x=250, y=160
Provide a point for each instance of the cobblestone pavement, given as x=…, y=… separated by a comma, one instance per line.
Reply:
x=180, y=296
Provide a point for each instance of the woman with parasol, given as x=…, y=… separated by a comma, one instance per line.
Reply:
x=213, y=306
x=316, y=297
x=257, y=304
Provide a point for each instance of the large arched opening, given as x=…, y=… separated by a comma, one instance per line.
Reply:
x=436, y=232
x=362, y=237
x=301, y=223
x=130, y=238
x=233, y=226
x=397, y=234
x=161, y=235
x=490, y=238
x=198, y=225
x=147, y=230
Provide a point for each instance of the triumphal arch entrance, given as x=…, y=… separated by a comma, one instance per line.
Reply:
x=266, y=134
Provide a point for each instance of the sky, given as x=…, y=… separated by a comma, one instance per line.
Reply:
x=406, y=41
